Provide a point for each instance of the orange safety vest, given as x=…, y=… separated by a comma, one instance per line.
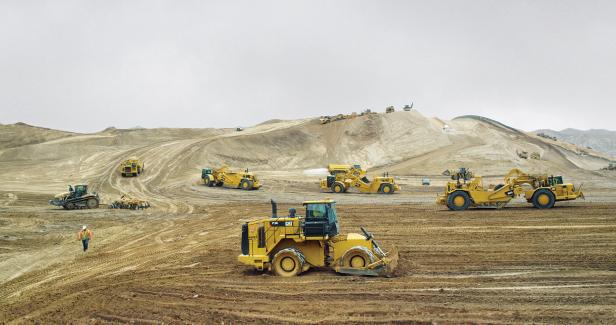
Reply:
x=85, y=234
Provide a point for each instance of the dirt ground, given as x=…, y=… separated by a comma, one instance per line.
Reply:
x=514, y=265
x=177, y=261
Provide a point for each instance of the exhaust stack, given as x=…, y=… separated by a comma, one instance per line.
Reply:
x=274, y=209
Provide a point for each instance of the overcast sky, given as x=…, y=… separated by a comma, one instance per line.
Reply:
x=86, y=65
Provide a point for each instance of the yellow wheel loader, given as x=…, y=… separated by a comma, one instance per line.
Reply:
x=227, y=178
x=131, y=167
x=290, y=245
x=344, y=177
x=467, y=190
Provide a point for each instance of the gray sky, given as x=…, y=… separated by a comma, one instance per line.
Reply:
x=85, y=65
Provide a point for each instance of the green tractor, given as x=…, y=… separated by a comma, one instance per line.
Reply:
x=76, y=198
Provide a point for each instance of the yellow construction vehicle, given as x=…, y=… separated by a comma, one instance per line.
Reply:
x=131, y=167
x=543, y=191
x=225, y=177
x=343, y=177
x=293, y=244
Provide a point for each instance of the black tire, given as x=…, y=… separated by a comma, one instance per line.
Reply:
x=207, y=182
x=219, y=184
x=123, y=174
x=288, y=262
x=458, y=201
x=70, y=206
x=543, y=199
x=246, y=185
x=338, y=187
x=134, y=174
x=92, y=203
x=386, y=189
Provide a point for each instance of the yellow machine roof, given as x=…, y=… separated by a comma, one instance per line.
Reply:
x=319, y=201
x=338, y=167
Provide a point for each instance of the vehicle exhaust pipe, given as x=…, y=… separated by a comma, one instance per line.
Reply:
x=274, y=209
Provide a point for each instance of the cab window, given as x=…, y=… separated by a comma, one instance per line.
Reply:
x=316, y=211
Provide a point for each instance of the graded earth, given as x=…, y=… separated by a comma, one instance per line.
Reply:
x=176, y=262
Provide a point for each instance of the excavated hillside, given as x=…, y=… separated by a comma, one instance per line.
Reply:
x=403, y=143
x=176, y=262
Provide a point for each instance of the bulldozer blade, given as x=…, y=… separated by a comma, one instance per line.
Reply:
x=390, y=262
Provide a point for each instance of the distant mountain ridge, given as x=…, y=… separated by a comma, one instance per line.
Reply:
x=597, y=139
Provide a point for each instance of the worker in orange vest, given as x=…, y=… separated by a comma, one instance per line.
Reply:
x=85, y=235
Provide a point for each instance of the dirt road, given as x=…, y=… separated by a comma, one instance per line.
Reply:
x=515, y=265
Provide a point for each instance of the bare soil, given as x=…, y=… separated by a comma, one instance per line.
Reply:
x=177, y=261
x=514, y=265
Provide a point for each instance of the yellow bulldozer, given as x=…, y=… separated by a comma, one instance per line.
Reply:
x=342, y=177
x=131, y=167
x=290, y=245
x=225, y=177
x=467, y=190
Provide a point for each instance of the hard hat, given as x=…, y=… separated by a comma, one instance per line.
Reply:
x=83, y=227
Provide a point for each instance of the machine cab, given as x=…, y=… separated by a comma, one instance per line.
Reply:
x=320, y=219
x=206, y=171
x=555, y=180
x=80, y=190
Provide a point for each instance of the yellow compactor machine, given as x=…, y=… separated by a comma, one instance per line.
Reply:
x=225, y=177
x=543, y=191
x=290, y=245
x=342, y=177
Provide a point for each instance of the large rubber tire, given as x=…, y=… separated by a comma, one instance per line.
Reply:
x=219, y=184
x=357, y=257
x=92, y=203
x=288, y=262
x=386, y=189
x=458, y=201
x=246, y=185
x=338, y=187
x=70, y=206
x=207, y=182
x=543, y=199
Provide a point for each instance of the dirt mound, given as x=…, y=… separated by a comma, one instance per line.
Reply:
x=402, y=143
x=21, y=134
